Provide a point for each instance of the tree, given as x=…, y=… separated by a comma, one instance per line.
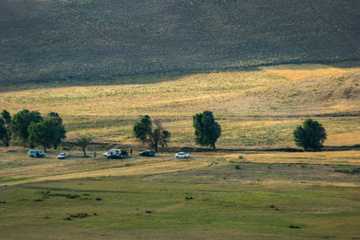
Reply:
x=155, y=136
x=20, y=123
x=310, y=135
x=207, y=131
x=59, y=131
x=42, y=133
x=5, y=124
x=83, y=142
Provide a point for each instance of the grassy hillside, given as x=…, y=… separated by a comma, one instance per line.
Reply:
x=59, y=40
x=257, y=108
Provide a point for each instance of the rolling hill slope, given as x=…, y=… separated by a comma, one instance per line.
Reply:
x=47, y=40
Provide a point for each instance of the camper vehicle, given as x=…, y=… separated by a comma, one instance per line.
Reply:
x=36, y=153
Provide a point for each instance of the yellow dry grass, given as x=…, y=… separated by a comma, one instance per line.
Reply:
x=331, y=158
x=83, y=168
x=343, y=139
x=303, y=71
x=108, y=109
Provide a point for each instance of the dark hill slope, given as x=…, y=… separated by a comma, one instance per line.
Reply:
x=46, y=40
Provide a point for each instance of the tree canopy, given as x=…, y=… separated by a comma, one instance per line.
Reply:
x=21, y=121
x=5, y=125
x=59, y=130
x=42, y=133
x=153, y=135
x=207, y=130
x=310, y=135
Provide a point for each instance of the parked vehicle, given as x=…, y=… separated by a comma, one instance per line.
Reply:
x=61, y=156
x=148, y=153
x=36, y=154
x=115, y=154
x=182, y=155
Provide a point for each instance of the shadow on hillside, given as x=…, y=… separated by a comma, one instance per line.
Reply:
x=156, y=77
x=149, y=78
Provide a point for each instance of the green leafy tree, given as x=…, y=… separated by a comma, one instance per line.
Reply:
x=5, y=130
x=59, y=131
x=83, y=142
x=310, y=135
x=42, y=133
x=207, y=130
x=153, y=135
x=20, y=124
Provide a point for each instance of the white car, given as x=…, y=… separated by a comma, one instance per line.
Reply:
x=182, y=155
x=61, y=156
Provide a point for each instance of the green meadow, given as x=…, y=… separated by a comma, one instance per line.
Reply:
x=272, y=196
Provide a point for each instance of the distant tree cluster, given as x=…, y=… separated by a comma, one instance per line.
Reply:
x=207, y=131
x=31, y=129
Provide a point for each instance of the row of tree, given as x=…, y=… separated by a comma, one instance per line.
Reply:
x=207, y=131
x=310, y=135
x=31, y=129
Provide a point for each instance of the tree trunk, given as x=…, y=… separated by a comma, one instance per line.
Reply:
x=156, y=147
x=6, y=143
x=84, y=152
x=213, y=145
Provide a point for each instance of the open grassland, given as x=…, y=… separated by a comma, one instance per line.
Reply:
x=226, y=194
x=255, y=108
x=214, y=195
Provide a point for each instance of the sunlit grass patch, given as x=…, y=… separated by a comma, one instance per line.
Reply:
x=296, y=72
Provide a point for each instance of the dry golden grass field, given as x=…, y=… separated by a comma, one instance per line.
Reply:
x=255, y=108
x=251, y=188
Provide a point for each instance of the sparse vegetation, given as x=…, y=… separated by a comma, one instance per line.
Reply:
x=133, y=37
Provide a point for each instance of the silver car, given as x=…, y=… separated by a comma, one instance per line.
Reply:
x=182, y=155
x=61, y=156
